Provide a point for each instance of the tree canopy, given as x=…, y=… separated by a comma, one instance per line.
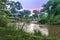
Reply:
x=52, y=7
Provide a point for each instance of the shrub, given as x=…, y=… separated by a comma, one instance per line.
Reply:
x=3, y=21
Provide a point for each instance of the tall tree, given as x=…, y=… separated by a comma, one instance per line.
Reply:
x=2, y=7
x=14, y=7
x=52, y=8
x=3, y=18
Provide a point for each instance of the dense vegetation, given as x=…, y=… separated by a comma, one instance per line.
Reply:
x=52, y=7
x=9, y=32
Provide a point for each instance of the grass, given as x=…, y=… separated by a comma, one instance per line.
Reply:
x=6, y=33
x=10, y=33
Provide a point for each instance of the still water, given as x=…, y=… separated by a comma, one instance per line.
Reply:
x=54, y=30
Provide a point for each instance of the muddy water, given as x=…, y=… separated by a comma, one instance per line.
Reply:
x=54, y=30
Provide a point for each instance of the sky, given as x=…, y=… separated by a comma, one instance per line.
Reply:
x=32, y=4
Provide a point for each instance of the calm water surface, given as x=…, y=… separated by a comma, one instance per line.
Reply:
x=54, y=30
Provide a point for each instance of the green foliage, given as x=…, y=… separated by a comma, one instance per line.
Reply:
x=56, y=20
x=53, y=9
x=9, y=34
x=3, y=0
x=3, y=21
x=25, y=17
x=15, y=5
x=26, y=13
x=1, y=6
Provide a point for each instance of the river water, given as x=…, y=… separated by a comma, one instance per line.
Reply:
x=54, y=30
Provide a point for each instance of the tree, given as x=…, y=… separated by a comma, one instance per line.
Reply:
x=52, y=8
x=3, y=15
x=25, y=17
x=14, y=7
x=18, y=5
x=36, y=15
x=35, y=11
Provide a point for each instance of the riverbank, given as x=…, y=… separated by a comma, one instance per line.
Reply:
x=9, y=34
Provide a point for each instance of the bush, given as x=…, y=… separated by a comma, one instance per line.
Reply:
x=3, y=21
x=55, y=20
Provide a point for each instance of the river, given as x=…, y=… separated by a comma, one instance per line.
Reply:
x=54, y=30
